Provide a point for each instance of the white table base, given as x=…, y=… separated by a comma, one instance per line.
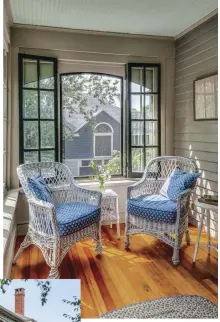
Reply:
x=205, y=211
x=109, y=208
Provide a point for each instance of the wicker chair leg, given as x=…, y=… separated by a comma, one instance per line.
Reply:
x=127, y=242
x=54, y=273
x=99, y=247
x=54, y=261
x=175, y=258
x=187, y=238
x=26, y=242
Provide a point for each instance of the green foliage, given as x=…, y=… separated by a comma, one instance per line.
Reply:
x=114, y=165
x=76, y=304
x=4, y=283
x=77, y=89
x=44, y=286
x=101, y=174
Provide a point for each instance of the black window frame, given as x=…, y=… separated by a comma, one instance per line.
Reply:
x=130, y=173
x=38, y=58
x=122, y=118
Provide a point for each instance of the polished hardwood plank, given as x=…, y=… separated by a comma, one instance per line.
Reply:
x=120, y=277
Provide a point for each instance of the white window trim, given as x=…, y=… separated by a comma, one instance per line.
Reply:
x=103, y=134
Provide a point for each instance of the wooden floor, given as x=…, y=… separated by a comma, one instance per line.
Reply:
x=119, y=277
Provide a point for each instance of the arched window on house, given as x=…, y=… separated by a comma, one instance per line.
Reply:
x=103, y=140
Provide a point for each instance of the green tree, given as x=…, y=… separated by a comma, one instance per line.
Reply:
x=76, y=308
x=44, y=286
x=76, y=90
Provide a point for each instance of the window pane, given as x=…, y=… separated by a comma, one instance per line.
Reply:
x=151, y=106
x=91, y=106
x=137, y=161
x=103, y=128
x=137, y=106
x=85, y=171
x=30, y=73
x=30, y=107
x=151, y=133
x=47, y=155
x=85, y=163
x=137, y=133
x=46, y=105
x=46, y=74
x=151, y=153
x=98, y=162
x=30, y=156
x=47, y=134
x=103, y=145
x=137, y=79
x=151, y=79
x=31, y=135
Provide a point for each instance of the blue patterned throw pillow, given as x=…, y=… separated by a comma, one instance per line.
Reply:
x=40, y=189
x=177, y=183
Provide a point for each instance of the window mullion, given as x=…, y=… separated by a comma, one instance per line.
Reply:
x=38, y=102
x=30, y=81
x=144, y=118
x=152, y=123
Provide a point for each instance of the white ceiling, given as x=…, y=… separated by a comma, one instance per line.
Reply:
x=147, y=17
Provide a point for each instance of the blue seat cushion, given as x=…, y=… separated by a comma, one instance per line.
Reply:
x=39, y=188
x=177, y=183
x=153, y=208
x=74, y=216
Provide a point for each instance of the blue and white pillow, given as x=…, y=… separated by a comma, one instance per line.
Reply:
x=40, y=189
x=177, y=183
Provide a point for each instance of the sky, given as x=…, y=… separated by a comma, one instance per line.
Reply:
x=53, y=310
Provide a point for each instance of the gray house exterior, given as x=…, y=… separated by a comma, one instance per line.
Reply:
x=97, y=142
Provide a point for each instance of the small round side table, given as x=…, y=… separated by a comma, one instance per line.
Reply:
x=205, y=211
x=109, y=208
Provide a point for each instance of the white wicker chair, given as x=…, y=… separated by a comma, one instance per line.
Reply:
x=43, y=230
x=156, y=173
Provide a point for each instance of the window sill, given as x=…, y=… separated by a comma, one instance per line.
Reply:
x=114, y=181
x=119, y=181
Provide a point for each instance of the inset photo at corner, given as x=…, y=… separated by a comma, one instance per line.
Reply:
x=39, y=300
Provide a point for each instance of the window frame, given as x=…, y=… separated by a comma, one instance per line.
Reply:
x=21, y=58
x=5, y=117
x=132, y=174
x=121, y=78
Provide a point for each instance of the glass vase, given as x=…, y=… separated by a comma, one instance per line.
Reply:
x=102, y=186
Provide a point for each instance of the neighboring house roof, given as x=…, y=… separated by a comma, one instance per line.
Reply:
x=8, y=316
x=76, y=123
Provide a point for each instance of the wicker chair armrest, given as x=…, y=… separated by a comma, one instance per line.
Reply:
x=41, y=203
x=144, y=186
x=42, y=216
x=183, y=202
x=87, y=195
x=76, y=193
x=183, y=196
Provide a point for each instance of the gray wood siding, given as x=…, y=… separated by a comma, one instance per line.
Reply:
x=197, y=56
